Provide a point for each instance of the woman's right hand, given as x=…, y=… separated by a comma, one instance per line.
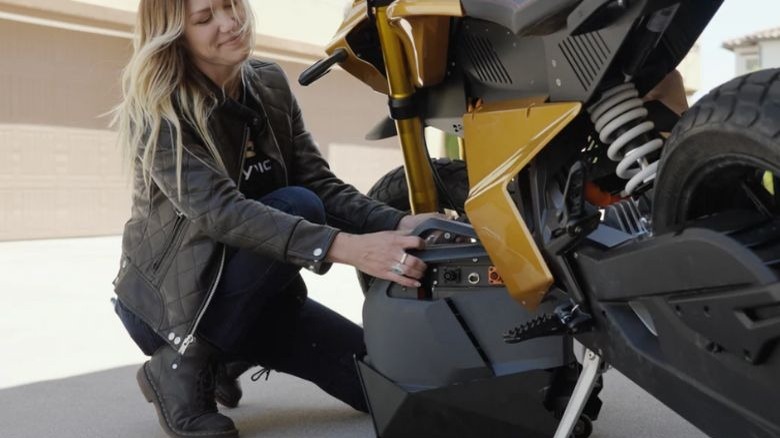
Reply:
x=380, y=255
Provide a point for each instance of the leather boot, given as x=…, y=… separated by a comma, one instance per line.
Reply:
x=182, y=390
x=228, y=391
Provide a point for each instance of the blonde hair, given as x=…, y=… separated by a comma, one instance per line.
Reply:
x=158, y=88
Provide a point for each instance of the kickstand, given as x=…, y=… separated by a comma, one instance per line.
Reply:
x=591, y=368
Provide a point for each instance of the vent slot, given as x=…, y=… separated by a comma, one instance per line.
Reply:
x=483, y=57
x=587, y=54
x=763, y=313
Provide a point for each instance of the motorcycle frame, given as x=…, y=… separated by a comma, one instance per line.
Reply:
x=414, y=36
x=668, y=367
x=490, y=208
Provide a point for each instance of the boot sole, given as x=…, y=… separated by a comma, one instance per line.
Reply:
x=150, y=394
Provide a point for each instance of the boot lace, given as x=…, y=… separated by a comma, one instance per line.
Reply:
x=263, y=371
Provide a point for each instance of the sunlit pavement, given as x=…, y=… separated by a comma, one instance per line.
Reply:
x=67, y=367
x=57, y=320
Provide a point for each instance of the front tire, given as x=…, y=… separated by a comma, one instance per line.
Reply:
x=392, y=189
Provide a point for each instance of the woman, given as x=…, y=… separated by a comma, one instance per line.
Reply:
x=231, y=197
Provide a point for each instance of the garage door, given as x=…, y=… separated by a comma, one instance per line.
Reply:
x=60, y=170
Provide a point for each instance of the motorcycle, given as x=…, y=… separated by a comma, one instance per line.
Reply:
x=578, y=220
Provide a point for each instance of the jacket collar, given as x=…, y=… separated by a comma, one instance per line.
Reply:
x=251, y=113
x=214, y=90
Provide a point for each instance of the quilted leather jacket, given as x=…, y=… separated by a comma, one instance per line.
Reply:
x=173, y=248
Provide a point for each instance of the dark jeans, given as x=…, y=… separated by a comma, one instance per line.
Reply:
x=260, y=313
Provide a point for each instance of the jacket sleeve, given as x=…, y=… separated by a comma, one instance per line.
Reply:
x=346, y=207
x=212, y=201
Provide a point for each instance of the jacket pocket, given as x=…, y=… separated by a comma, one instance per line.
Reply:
x=138, y=294
x=169, y=248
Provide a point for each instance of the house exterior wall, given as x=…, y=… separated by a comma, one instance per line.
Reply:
x=59, y=173
x=770, y=53
x=747, y=59
x=690, y=69
x=339, y=110
x=60, y=167
x=280, y=18
x=756, y=56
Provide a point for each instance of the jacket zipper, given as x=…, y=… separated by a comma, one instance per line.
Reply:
x=177, y=227
x=190, y=337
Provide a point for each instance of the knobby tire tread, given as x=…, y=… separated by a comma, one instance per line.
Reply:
x=748, y=105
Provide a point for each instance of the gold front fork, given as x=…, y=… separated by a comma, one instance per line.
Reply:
x=419, y=178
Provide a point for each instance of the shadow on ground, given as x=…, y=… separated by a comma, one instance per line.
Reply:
x=109, y=404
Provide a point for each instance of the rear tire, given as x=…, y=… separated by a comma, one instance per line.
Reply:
x=718, y=157
x=736, y=126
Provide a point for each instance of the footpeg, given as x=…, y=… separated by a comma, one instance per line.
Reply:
x=567, y=318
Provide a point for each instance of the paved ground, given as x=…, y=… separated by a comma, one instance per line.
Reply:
x=67, y=368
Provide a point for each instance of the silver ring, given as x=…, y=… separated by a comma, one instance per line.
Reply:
x=403, y=258
x=397, y=269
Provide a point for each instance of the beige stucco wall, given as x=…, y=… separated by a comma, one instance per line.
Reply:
x=58, y=181
x=311, y=21
x=690, y=68
x=339, y=111
x=60, y=172
x=770, y=53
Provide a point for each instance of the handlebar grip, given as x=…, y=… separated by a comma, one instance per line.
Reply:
x=321, y=67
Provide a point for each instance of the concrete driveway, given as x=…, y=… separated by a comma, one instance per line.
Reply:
x=68, y=369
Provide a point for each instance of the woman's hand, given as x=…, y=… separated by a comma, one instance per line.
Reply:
x=382, y=255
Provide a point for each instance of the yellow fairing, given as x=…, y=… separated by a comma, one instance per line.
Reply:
x=424, y=28
x=425, y=43
x=500, y=141
x=357, y=67
x=417, y=8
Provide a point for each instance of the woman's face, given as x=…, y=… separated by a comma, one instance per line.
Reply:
x=212, y=36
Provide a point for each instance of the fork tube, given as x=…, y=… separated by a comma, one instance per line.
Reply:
x=422, y=190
